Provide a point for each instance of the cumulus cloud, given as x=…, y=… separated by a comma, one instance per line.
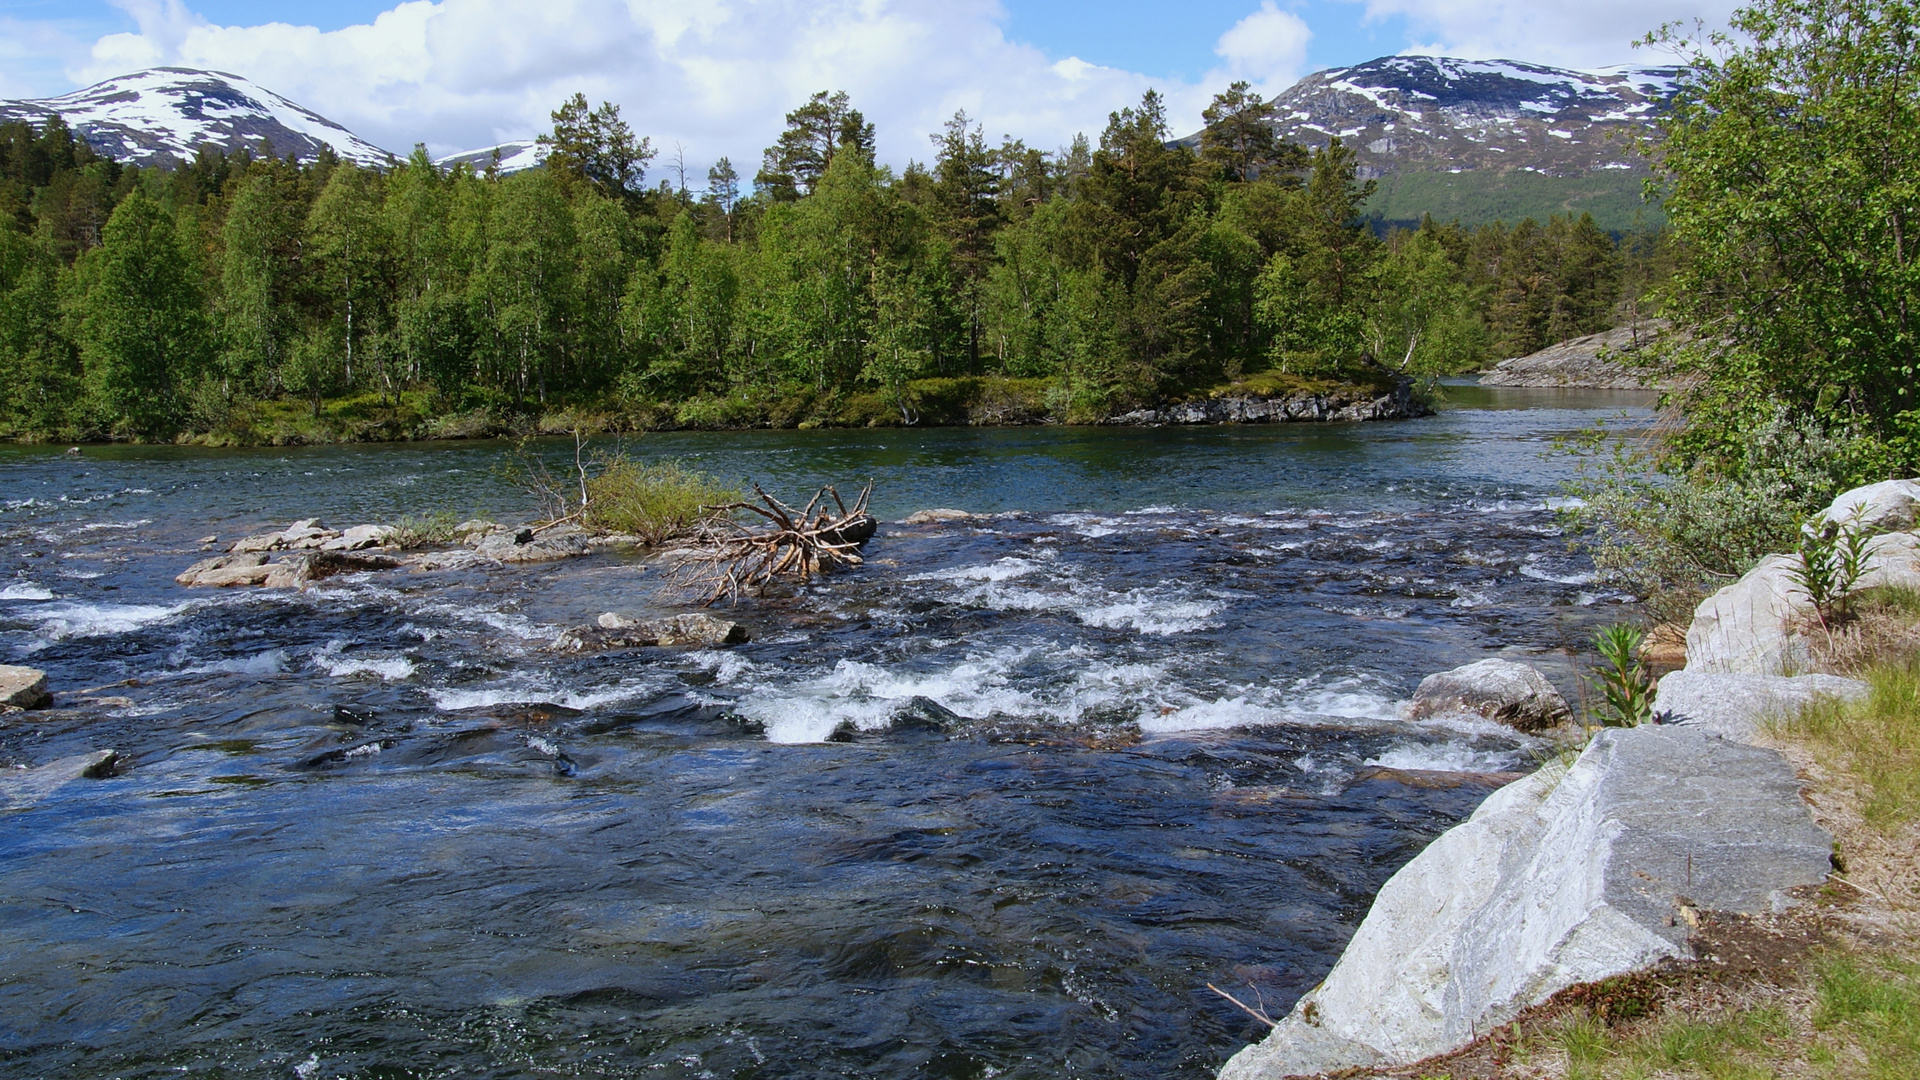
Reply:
x=1577, y=35
x=716, y=76
x=1267, y=48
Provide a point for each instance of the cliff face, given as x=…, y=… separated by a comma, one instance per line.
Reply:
x=1600, y=361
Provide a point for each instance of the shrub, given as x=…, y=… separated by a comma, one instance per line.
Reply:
x=415, y=531
x=657, y=502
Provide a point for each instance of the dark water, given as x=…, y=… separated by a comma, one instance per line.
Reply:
x=376, y=830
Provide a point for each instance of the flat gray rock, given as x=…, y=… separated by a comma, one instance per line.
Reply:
x=1554, y=881
x=1735, y=704
x=23, y=687
x=22, y=788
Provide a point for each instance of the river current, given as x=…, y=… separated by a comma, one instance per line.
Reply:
x=1135, y=730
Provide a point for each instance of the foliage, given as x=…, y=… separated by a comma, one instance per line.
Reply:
x=409, y=300
x=1792, y=181
x=1622, y=681
x=1673, y=538
x=657, y=502
x=426, y=530
x=1876, y=739
x=1833, y=555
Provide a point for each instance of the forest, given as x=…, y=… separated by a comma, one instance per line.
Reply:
x=245, y=298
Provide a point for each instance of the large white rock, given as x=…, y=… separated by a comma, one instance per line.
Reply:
x=1549, y=885
x=1889, y=506
x=1736, y=704
x=1893, y=559
x=1753, y=625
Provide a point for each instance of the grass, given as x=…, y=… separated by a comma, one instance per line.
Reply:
x=657, y=502
x=414, y=531
x=1876, y=740
x=1862, y=1020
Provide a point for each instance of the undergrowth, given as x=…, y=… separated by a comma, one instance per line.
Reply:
x=1876, y=739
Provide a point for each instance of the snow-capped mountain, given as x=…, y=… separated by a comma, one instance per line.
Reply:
x=167, y=114
x=514, y=156
x=1431, y=112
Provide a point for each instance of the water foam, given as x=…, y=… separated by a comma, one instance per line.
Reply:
x=102, y=620
x=386, y=668
x=26, y=590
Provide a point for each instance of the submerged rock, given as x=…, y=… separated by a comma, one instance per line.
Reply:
x=936, y=516
x=21, y=788
x=1396, y=405
x=1754, y=624
x=619, y=632
x=1557, y=879
x=23, y=687
x=1504, y=690
x=1736, y=704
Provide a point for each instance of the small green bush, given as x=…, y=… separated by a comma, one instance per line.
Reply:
x=657, y=502
x=1624, y=686
x=418, y=531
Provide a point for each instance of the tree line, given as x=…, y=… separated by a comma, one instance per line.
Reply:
x=156, y=303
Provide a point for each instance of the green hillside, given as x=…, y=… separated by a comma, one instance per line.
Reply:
x=1478, y=196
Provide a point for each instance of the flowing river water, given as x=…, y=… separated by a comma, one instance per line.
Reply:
x=1137, y=731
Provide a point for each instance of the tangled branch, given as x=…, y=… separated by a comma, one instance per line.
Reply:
x=742, y=558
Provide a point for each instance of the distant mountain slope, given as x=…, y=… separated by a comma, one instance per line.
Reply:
x=1486, y=139
x=167, y=114
x=514, y=156
x=1406, y=112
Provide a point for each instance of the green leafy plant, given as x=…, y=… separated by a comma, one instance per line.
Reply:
x=1832, y=558
x=418, y=531
x=1622, y=682
x=657, y=502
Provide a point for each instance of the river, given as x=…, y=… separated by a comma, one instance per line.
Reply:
x=376, y=829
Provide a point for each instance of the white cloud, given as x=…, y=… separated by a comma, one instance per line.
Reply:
x=1594, y=33
x=1267, y=48
x=715, y=76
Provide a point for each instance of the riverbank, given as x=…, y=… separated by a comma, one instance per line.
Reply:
x=973, y=401
x=1675, y=843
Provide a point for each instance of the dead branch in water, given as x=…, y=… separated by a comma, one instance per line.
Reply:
x=791, y=543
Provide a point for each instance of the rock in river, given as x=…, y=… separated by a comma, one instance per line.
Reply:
x=1512, y=693
x=23, y=687
x=618, y=632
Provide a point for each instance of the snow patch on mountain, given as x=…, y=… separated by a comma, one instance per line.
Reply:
x=167, y=114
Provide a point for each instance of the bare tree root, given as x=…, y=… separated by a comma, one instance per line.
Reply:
x=735, y=559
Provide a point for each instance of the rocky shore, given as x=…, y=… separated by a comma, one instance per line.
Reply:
x=1400, y=404
x=1602, y=361
x=1607, y=865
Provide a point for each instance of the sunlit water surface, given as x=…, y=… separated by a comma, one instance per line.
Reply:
x=1117, y=741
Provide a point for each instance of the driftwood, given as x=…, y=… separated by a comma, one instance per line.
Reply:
x=733, y=558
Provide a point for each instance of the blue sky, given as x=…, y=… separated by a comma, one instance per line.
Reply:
x=715, y=77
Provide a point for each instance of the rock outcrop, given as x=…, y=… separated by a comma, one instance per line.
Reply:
x=936, y=516
x=524, y=547
x=1504, y=690
x=1734, y=705
x=23, y=688
x=1398, y=405
x=1595, y=362
x=1555, y=880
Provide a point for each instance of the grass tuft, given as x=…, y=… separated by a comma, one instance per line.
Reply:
x=657, y=502
x=1877, y=740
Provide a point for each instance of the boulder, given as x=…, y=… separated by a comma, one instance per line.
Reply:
x=449, y=560
x=512, y=548
x=1754, y=625
x=21, y=788
x=1512, y=693
x=225, y=570
x=1889, y=506
x=1735, y=704
x=360, y=537
x=23, y=687
x=935, y=516
x=614, y=631
x=1893, y=560
x=1557, y=879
